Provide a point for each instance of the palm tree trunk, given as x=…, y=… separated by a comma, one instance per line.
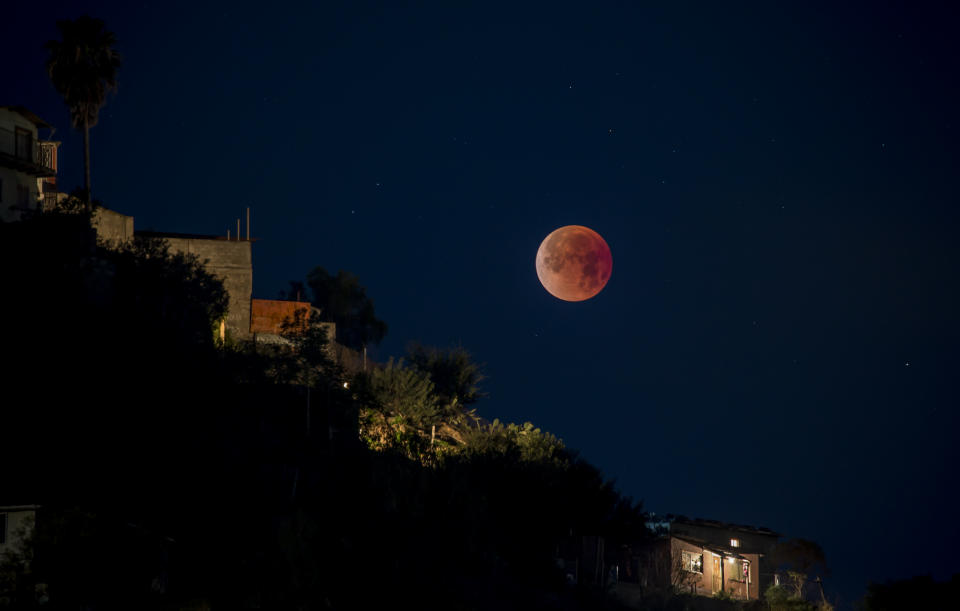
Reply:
x=86, y=162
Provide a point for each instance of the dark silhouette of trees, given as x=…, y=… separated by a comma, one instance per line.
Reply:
x=455, y=376
x=83, y=68
x=173, y=472
x=913, y=593
x=342, y=300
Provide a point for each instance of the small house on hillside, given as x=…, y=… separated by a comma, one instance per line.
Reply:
x=705, y=557
x=695, y=566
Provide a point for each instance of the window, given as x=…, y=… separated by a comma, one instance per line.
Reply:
x=23, y=146
x=734, y=542
x=691, y=562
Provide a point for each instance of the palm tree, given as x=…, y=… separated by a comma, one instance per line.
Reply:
x=83, y=69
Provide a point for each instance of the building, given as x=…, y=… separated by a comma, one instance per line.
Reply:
x=28, y=165
x=268, y=316
x=230, y=260
x=16, y=523
x=705, y=557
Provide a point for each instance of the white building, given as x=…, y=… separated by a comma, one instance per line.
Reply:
x=16, y=523
x=28, y=165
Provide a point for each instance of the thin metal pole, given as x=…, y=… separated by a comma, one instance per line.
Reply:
x=248, y=223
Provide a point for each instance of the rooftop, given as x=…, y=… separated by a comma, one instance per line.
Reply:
x=28, y=115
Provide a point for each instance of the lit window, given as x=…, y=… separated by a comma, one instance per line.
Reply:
x=734, y=542
x=691, y=562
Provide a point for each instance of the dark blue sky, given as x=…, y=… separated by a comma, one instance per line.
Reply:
x=778, y=185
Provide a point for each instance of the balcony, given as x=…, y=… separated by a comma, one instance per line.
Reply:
x=22, y=152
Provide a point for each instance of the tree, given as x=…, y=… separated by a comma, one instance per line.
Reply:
x=165, y=294
x=83, y=69
x=342, y=300
x=311, y=360
x=403, y=391
x=455, y=376
x=920, y=592
x=796, y=560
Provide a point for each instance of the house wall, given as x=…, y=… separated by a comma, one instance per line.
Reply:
x=663, y=566
x=693, y=583
x=9, y=121
x=754, y=585
x=719, y=535
x=754, y=543
x=17, y=520
x=232, y=262
x=10, y=206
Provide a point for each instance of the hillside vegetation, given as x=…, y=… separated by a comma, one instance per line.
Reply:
x=174, y=472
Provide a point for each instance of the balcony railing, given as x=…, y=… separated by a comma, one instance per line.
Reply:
x=21, y=151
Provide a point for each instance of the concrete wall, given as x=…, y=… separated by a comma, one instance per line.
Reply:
x=231, y=261
x=112, y=227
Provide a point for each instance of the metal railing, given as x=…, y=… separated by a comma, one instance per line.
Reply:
x=25, y=148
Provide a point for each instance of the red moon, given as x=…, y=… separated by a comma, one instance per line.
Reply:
x=574, y=263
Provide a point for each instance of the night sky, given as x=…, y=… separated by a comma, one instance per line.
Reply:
x=777, y=344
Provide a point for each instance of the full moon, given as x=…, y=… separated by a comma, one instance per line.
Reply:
x=574, y=263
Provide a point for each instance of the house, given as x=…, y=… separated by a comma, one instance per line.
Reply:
x=28, y=174
x=28, y=165
x=16, y=523
x=705, y=557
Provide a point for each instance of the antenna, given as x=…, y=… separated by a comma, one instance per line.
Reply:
x=238, y=229
x=248, y=223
